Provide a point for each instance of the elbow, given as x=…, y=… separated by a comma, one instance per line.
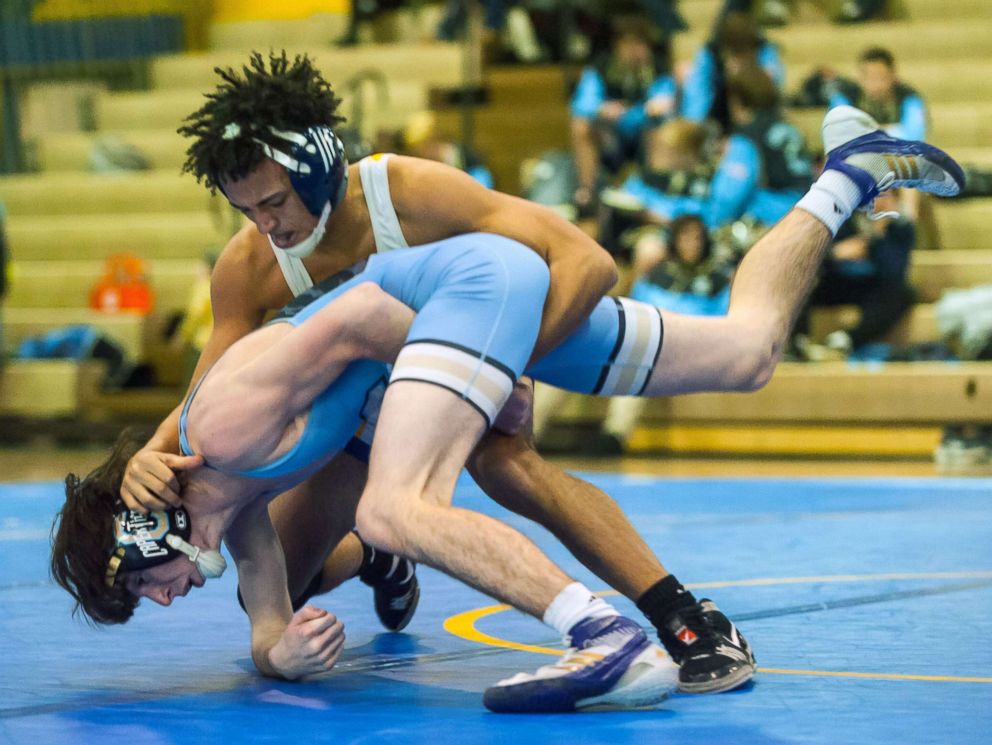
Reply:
x=755, y=366
x=366, y=311
x=601, y=271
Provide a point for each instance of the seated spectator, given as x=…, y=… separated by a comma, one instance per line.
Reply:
x=901, y=112
x=896, y=106
x=674, y=181
x=763, y=172
x=766, y=167
x=675, y=178
x=615, y=101
x=423, y=138
x=737, y=43
x=867, y=267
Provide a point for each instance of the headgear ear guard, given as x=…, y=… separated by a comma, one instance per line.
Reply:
x=318, y=170
x=144, y=541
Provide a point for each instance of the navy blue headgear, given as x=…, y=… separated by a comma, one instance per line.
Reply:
x=315, y=160
x=318, y=171
x=144, y=541
x=140, y=540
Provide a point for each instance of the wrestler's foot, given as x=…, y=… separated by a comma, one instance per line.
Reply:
x=394, y=582
x=857, y=147
x=714, y=657
x=611, y=664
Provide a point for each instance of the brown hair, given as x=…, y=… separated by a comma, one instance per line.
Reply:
x=753, y=89
x=680, y=134
x=878, y=54
x=83, y=537
x=738, y=34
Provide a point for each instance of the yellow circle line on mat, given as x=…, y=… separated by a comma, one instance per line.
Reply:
x=462, y=625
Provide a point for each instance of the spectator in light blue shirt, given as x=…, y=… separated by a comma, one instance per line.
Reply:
x=626, y=91
x=764, y=170
x=896, y=106
x=737, y=43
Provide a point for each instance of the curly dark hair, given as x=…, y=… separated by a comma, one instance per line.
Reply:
x=83, y=537
x=287, y=95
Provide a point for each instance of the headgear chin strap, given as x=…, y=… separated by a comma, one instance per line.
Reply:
x=309, y=244
x=210, y=563
x=144, y=541
x=318, y=170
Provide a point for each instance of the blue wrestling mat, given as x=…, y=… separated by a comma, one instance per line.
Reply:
x=868, y=603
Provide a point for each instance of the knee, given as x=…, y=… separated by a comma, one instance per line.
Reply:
x=382, y=527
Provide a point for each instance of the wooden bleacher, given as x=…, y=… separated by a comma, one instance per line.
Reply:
x=825, y=409
x=437, y=64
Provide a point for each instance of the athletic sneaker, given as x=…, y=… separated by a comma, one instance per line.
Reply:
x=857, y=147
x=396, y=589
x=964, y=449
x=611, y=664
x=713, y=655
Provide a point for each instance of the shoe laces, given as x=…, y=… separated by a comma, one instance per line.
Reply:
x=874, y=216
x=575, y=660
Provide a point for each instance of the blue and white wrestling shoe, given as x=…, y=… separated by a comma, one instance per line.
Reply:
x=857, y=147
x=611, y=664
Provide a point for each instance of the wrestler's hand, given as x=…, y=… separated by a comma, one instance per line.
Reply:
x=518, y=411
x=311, y=644
x=154, y=480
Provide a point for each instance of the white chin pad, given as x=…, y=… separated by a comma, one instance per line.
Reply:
x=307, y=246
x=210, y=563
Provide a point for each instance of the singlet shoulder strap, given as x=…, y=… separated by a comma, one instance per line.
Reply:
x=375, y=183
x=297, y=276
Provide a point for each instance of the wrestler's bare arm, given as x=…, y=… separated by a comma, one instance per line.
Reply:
x=283, y=645
x=431, y=196
x=149, y=479
x=244, y=413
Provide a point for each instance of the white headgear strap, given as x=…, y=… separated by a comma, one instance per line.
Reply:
x=309, y=244
x=210, y=563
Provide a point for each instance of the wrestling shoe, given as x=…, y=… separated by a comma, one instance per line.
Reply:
x=857, y=147
x=395, y=587
x=714, y=657
x=611, y=664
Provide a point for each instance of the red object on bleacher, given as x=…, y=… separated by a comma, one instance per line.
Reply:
x=124, y=287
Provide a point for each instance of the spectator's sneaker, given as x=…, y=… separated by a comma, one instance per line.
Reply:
x=611, y=664
x=876, y=162
x=714, y=657
x=962, y=450
x=396, y=589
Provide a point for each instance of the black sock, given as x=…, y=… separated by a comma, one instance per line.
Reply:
x=664, y=597
x=377, y=565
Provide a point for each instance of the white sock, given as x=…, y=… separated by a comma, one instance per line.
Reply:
x=573, y=604
x=832, y=199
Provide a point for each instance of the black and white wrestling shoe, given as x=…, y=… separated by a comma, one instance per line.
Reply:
x=713, y=655
x=394, y=582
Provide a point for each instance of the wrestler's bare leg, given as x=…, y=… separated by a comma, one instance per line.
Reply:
x=423, y=438
x=739, y=351
x=587, y=521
